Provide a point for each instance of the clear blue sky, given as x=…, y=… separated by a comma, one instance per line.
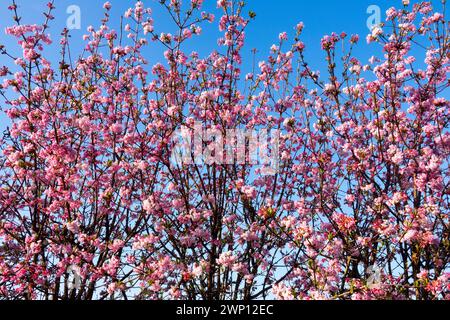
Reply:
x=272, y=17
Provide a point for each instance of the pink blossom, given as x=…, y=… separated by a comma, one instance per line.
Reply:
x=249, y=192
x=410, y=235
x=356, y=178
x=116, y=128
x=283, y=36
x=227, y=259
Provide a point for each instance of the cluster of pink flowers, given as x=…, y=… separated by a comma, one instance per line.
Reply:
x=86, y=180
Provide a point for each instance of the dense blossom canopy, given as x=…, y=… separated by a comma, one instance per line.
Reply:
x=358, y=208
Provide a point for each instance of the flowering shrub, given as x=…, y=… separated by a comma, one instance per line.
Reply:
x=358, y=208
